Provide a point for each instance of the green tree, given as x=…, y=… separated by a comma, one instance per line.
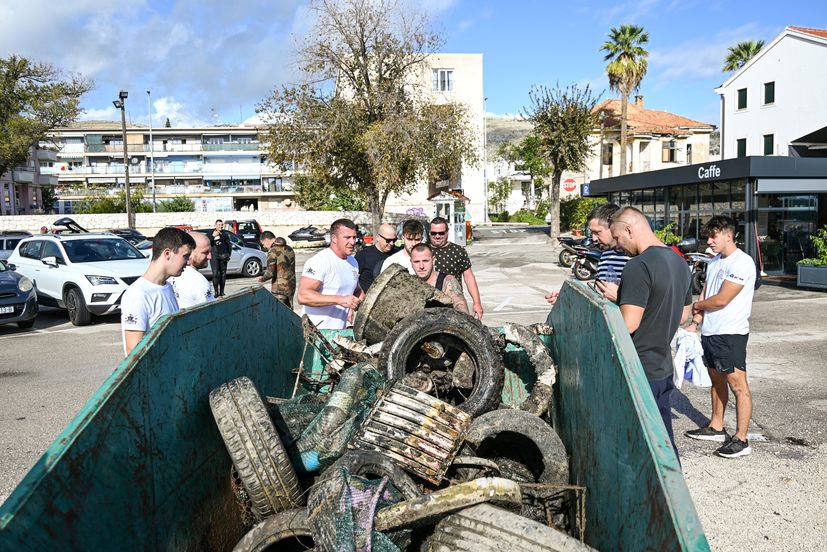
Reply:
x=563, y=120
x=626, y=69
x=740, y=54
x=34, y=98
x=527, y=156
x=359, y=124
x=178, y=204
x=167, y=124
x=114, y=204
x=498, y=192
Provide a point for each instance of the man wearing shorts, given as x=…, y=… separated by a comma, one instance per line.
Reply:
x=723, y=315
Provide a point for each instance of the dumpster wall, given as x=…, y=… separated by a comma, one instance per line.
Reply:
x=142, y=465
x=636, y=496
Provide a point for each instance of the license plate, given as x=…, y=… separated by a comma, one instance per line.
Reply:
x=6, y=310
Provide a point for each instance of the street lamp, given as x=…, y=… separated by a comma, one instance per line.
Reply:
x=151, y=149
x=602, y=118
x=119, y=104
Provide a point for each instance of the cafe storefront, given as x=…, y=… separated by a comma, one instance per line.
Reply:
x=778, y=202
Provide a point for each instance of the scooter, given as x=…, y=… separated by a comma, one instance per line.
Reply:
x=585, y=265
x=571, y=248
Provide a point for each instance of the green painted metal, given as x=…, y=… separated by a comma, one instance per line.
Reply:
x=142, y=466
x=636, y=497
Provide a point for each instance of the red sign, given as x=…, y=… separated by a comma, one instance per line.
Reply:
x=569, y=185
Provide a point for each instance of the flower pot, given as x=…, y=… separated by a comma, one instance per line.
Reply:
x=812, y=276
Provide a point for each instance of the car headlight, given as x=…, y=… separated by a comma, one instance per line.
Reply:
x=101, y=280
x=24, y=285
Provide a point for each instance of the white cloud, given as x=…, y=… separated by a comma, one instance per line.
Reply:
x=632, y=11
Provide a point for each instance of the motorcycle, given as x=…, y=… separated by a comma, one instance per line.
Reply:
x=571, y=248
x=585, y=265
x=308, y=233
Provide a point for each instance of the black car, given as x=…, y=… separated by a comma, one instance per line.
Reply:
x=132, y=236
x=18, y=298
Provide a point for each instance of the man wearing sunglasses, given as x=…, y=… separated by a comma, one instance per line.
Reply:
x=384, y=245
x=453, y=259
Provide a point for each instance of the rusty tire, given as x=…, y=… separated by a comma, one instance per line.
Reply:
x=254, y=447
x=289, y=525
x=475, y=338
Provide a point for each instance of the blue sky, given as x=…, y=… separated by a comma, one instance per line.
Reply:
x=208, y=61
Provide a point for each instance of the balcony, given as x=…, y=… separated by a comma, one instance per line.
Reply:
x=116, y=148
x=23, y=175
x=232, y=146
x=46, y=155
x=47, y=179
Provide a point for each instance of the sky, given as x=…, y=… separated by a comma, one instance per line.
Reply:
x=209, y=62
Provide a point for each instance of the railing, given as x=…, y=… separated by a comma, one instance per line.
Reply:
x=232, y=146
x=46, y=155
x=23, y=175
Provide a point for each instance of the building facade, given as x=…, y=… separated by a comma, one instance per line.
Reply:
x=774, y=104
x=21, y=188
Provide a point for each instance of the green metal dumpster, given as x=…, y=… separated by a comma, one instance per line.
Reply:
x=142, y=465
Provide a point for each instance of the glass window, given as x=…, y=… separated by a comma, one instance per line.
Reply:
x=94, y=250
x=721, y=204
x=50, y=249
x=608, y=153
x=742, y=98
x=669, y=150
x=442, y=80
x=741, y=147
x=31, y=250
x=769, y=93
x=706, y=206
x=769, y=144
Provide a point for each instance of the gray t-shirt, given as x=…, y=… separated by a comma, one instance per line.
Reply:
x=659, y=281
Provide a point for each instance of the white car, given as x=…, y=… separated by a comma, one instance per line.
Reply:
x=85, y=274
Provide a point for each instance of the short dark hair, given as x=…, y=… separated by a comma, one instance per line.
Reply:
x=218, y=220
x=439, y=220
x=720, y=223
x=280, y=241
x=267, y=235
x=422, y=247
x=603, y=214
x=170, y=238
x=342, y=222
x=412, y=227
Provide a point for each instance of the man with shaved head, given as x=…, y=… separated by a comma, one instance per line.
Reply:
x=654, y=298
x=191, y=287
x=369, y=258
x=281, y=268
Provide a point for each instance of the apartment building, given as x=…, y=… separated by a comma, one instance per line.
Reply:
x=774, y=104
x=221, y=168
x=21, y=188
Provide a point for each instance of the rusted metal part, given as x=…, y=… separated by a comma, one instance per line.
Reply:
x=462, y=375
x=539, y=400
x=565, y=505
x=357, y=347
x=394, y=295
x=420, y=381
x=433, y=349
x=476, y=462
x=456, y=497
x=418, y=432
x=541, y=329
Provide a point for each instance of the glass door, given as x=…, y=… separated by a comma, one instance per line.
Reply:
x=785, y=223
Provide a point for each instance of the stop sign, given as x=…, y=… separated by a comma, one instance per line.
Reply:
x=569, y=185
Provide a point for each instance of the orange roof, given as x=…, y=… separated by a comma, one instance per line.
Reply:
x=821, y=33
x=648, y=121
x=449, y=192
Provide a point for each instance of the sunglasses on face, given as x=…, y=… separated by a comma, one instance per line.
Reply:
x=438, y=233
x=388, y=239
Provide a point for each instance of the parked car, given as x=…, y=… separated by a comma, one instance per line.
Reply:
x=244, y=260
x=249, y=230
x=129, y=234
x=86, y=274
x=145, y=247
x=9, y=240
x=18, y=298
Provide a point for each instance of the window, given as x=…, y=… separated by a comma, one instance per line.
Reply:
x=741, y=147
x=442, y=80
x=608, y=153
x=31, y=250
x=669, y=149
x=769, y=144
x=688, y=154
x=769, y=93
x=742, y=98
x=50, y=249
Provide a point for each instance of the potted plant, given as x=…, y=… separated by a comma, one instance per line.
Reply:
x=812, y=272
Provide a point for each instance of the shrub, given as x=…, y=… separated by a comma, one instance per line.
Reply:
x=819, y=240
x=574, y=212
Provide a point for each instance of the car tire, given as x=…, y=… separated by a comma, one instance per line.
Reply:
x=476, y=338
x=25, y=324
x=289, y=525
x=79, y=315
x=254, y=447
x=566, y=258
x=252, y=268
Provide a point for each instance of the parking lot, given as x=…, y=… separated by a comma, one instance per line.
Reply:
x=772, y=500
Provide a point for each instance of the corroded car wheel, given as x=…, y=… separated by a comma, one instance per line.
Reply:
x=289, y=529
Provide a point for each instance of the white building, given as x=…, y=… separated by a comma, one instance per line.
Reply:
x=775, y=104
x=21, y=188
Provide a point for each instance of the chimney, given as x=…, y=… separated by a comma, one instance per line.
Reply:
x=639, y=101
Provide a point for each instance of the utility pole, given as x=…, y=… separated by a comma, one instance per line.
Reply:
x=151, y=150
x=119, y=104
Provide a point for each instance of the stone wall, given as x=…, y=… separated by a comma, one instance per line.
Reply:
x=279, y=222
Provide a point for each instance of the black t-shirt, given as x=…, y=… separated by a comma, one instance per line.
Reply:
x=659, y=281
x=369, y=258
x=452, y=259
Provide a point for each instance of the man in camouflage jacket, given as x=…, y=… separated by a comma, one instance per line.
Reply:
x=281, y=268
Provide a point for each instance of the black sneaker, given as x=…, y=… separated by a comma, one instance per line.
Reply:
x=734, y=448
x=708, y=434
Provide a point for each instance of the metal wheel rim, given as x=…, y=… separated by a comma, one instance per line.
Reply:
x=584, y=272
x=252, y=268
x=71, y=305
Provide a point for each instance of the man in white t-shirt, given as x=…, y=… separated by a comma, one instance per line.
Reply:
x=151, y=296
x=329, y=285
x=192, y=287
x=722, y=312
x=411, y=235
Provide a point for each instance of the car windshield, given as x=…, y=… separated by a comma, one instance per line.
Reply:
x=3, y=266
x=94, y=250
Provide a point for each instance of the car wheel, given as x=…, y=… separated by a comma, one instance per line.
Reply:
x=26, y=324
x=79, y=315
x=252, y=268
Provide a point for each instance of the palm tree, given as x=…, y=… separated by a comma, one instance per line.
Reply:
x=627, y=66
x=741, y=53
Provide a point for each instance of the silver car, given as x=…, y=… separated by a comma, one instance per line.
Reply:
x=243, y=260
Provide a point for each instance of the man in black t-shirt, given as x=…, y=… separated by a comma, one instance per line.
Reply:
x=654, y=298
x=371, y=257
x=453, y=259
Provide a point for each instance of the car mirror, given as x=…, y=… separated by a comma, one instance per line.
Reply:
x=49, y=261
x=11, y=266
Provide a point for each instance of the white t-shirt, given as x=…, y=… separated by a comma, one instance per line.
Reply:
x=191, y=288
x=338, y=277
x=739, y=268
x=401, y=257
x=143, y=303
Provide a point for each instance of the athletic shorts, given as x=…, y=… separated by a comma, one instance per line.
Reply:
x=725, y=352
